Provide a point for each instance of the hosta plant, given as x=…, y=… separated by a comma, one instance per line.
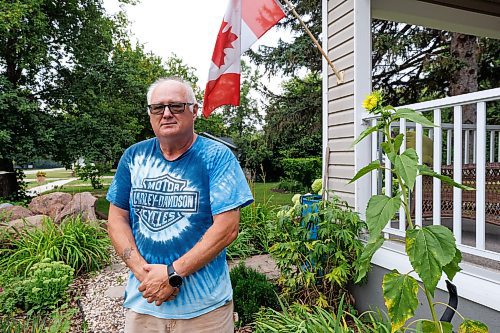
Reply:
x=432, y=249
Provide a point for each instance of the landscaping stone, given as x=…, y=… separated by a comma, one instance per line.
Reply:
x=27, y=222
x=14, y=213
x=5, y=205
x=82, y=203
x=115, y=292
x=50, y=204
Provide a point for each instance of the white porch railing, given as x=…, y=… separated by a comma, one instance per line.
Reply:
x=476, y=149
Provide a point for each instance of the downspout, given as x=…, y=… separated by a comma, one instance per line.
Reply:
x=324, y=32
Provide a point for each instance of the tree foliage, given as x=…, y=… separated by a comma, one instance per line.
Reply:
x=293, y=119
x=71, y=83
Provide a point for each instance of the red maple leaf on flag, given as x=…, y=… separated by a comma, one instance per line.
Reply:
x=224, y=41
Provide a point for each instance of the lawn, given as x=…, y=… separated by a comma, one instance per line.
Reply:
x=262, y=192
x=51, y=174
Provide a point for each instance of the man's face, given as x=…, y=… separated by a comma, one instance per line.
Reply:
x=168, y=125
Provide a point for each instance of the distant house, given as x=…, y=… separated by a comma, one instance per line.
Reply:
x=224, y=140
x=347, y=39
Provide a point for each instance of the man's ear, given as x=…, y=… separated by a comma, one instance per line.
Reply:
x=195, y=111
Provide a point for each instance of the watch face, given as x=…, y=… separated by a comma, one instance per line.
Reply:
x=175, y=281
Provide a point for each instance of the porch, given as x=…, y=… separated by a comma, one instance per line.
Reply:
x=469, y=158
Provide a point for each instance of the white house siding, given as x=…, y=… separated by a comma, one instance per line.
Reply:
x=340, y=98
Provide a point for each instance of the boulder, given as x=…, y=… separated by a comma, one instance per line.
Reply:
x=50, y=204
x=82, y=204
x=27, y=222
x=14, y=213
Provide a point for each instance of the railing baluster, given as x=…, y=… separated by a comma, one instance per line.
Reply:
x=474, y=147
x=466, y=147
x=418, y=182
x=492, y=146
x=448, y=146
x=402, y=216
x=457, y=173
x=498, y=153
x=481, y=176
x=374, y=173
x=436, y=183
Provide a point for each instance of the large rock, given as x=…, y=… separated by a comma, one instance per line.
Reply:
x=27, y=222
x=13, y=213
x=82, y=204
x=50, y=204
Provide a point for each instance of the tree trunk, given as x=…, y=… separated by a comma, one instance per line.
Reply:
x=465, y=48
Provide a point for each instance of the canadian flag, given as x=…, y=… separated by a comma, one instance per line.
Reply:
x=245, y=22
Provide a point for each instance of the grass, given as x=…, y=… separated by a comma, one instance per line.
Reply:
x=51, y=174
x=262, y=193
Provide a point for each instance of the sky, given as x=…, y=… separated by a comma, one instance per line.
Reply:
x=187, y=28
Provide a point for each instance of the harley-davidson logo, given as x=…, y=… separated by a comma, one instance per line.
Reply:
x=163, y=201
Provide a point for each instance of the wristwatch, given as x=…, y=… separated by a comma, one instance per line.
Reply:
x=174, y=279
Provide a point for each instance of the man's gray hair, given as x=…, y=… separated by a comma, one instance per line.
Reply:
x=189, y=89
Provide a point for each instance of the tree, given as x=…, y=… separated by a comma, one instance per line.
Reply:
x=293, y=119
x=40, y=40
x=246, y=117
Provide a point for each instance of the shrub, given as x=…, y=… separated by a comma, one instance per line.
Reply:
x=82, y=245
x=46, y=285
x=41, y=174
x=303, y=170
x=317, y=269
x=92, y=172
x=290, y=185
x=251, y=290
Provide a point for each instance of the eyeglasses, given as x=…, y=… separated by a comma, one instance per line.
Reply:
x=174, y=108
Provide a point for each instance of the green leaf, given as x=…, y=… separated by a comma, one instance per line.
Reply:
x=386, y=146
x=380, y=210
x=365, y=260
x=430, y=248
x=406, y=166
x=400, y=295
x=472, y=326
x=412, y=116
x=398, y=141
x=364, y=134
x=452, y=267
x=363, y=171
x=424, y=170
x=427, y=326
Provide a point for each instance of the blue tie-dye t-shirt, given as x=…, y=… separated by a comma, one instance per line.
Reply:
x=171, y=204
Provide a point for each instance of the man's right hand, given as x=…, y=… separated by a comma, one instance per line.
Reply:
x=155, y=286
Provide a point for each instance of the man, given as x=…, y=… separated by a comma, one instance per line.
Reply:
x=174, y=208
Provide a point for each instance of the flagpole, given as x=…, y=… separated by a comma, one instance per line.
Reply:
x=339, y=75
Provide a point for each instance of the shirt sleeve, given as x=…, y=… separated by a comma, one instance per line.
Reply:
x=119, y=191
x=228, y=186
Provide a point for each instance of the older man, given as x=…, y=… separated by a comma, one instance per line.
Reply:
x=175, y=203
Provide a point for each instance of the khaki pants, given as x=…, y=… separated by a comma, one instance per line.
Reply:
x=219, y=320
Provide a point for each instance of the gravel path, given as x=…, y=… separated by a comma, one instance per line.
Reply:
x=101, y=299
x=100, y=295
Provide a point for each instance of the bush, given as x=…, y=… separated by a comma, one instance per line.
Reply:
x=43, y=289
x=92, y=172
x=46, y=285
x=317, y=270
x=82, y=245
x=251, y=290
x=292, y=186
x=303, y=170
